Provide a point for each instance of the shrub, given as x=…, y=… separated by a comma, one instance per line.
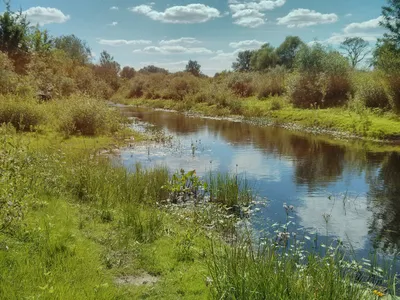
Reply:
x=370, y=89
x=241, y=84
x=271, y=83
x=8, y=78
x=180, y=86
x=86, y=116
x=22, y=114
x=322, y=78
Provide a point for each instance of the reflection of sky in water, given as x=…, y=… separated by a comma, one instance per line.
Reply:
x=272, y=175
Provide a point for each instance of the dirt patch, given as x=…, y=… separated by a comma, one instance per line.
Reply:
x=138, y=280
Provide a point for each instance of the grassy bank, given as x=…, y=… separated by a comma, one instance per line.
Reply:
x=75, y=225
x=338, y=121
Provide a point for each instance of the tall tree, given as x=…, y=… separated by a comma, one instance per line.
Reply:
x=41, y=42
x=153, y=69
x=264, y=58
x=356, y=49
x=391, y=21
x=108, y=70
x=193, y=67
x=75, y=48
x=243, y=60
x=287, y=51
x=14, y=37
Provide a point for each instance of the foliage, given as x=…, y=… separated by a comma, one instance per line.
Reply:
x=287, y=51
x=127, y=72
x=356, y=49
x=82, y=115
x=240, y=84
x=193, y=67
x=75, y=48
x=153, y=69
x=243, y=61
x=264, y=58
x=371, y=90
x=391, y=21
x=108, y=70
x=22, y=114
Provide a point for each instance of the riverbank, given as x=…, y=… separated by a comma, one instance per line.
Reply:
x=76, y=225
x=380, y=131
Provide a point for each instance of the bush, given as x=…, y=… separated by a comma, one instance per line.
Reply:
x=322, y=78
x=22, y=114
x=241, y=84
x=8, y=78
x=86, y=116
x=271, y=83
x=180, y=86
x=370, y=89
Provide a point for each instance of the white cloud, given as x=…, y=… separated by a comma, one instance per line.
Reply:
x=363, y=26
x=348, y=15
x=123, y=42
x=191, y=13
x=250, y=14
x=247, y=44
x=180, y=41
x=113, y=24
x=305, y=17
x=368, y=30
x=114, y=8
x=173, y=50
x=45, y=15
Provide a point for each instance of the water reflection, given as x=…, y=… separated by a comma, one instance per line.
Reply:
x=291, y=167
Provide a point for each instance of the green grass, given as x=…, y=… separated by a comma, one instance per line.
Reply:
x=349, y=122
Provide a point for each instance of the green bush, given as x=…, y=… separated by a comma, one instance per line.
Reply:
x=271, y=83
x=370, y=89
x=86, y=116
x=241, y=84
x=180, y=86
x=23, y=114
x=322, y=78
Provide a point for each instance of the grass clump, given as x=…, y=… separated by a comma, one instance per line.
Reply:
x=23, y=114
x=87, y=116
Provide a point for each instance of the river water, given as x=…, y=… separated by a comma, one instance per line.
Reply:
x=360, y=190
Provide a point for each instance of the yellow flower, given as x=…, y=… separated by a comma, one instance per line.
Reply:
x=378, y=293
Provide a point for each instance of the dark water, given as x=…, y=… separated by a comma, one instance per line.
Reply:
x=359, y=189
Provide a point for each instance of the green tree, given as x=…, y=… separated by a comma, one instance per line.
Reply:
x=391, y=21
x=75, y=48
x=127, y=72
x=40, y=41
x=356, y=49
x=264, y=59
x=153, y=69
x=287, y=51
x=243, y=60
x=108, y=70
x=14, y=37
x=193, y=67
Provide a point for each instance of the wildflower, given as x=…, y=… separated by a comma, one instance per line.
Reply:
x=378, y=293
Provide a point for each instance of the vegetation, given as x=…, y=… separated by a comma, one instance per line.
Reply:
x=75, y=225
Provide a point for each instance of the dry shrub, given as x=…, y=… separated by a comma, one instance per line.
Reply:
x=241, y=84
x=271, y=83
x=394, y=91
x=180, y=86
x=8, y=78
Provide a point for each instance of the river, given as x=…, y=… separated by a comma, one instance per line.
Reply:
x=358, y=189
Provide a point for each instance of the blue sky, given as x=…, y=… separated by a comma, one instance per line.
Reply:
x=169, y=33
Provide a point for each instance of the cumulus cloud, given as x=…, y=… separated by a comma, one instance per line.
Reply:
x=117, y=43
x=187, y=14
x=305, y=17
x=173, y=50
x=247, y=44
x=180, y=41
x=45, y=15
x=368, y=30
x=114, y=8
x=250, y=14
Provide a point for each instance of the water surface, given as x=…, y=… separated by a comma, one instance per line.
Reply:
x=359, y=189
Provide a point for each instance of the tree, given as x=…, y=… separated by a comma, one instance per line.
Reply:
x=356, y=49
x=14, y=37
x=153, y=69
x=40, y=41
x=107, y=61
x=287, y=51
x=127, y=72
x=75, y=48
x=193, y=67
x=264, y=58
x=108, y=70
x=243, y=60
x=391, y=21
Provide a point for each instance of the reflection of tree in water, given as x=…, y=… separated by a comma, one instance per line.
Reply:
x=384, y=198
x=317, y=163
